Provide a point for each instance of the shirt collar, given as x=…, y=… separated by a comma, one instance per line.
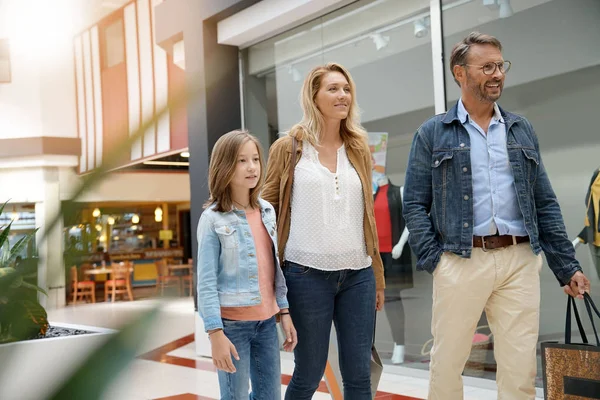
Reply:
x=464, y=117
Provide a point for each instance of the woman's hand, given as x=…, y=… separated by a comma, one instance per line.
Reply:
x=380, y=299
x=291, y=338
x=222, y=349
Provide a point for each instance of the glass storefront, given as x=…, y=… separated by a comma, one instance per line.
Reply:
x=553, y=47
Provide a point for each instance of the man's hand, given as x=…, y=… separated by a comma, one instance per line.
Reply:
x=291, y=338
x=578, y=285
x=222, y=349
x=380, y=299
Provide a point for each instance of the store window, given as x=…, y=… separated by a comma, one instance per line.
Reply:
x=553, y=47
x=387, y=48
x=114, y=44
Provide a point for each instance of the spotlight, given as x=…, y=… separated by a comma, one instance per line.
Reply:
x=110, y=220
x=422, y=27
x=296, y=76
x=135, y=219
x=380, y=41
x=505, y=9
x=96, y=213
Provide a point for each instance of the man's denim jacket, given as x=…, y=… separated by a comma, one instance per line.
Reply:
x=227, y=264
x=438, y=194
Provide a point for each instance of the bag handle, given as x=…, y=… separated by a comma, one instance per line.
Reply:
x=589, y=305
x=571, y=300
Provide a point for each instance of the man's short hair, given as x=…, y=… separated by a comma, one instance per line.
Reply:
x=460, y=52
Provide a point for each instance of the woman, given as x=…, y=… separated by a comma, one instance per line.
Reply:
x=327, y=233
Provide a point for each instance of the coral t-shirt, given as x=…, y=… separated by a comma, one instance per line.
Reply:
x=266, y=275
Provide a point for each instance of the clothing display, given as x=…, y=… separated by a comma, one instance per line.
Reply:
x=398, y=273
x=591, y=231
x=388, y=216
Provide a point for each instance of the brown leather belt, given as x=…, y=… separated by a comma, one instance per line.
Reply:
x=498, y=241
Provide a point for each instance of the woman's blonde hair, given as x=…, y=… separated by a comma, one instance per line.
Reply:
x=223, y=162
x=352, y=132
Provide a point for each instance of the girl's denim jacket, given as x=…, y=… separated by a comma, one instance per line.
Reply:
x=227, y=264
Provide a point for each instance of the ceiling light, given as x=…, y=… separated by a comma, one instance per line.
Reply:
x=110, y=220
x=158, y=211
x=505, y=9
x=14, y=216
x=96, y=213
x=158, y=217
x=422, y=27
x=380, y=41
x=135, y=219
x=99, y=228
x=491, y=4
x=185, y=154
x=296, y=75
x=140, y=236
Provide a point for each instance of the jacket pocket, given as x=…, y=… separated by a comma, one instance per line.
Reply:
x=531, y=161
x=227, y=236
x=440, y=164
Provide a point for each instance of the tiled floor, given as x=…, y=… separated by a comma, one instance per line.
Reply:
x=168, y=367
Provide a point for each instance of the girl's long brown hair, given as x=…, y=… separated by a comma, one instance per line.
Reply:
x=223, y=161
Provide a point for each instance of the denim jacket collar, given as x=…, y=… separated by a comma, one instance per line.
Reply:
x=509, y=118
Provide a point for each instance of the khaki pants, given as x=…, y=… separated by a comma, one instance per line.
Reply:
x=506, y=283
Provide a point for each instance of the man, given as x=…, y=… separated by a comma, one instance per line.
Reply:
x=480, y=209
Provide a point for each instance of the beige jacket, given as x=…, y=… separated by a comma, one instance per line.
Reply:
x=277, y=183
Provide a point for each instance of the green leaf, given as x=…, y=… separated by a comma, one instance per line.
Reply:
x=4, y=235
x=16, y=249
x=24, y=319
x=34, y=287
x=107, y=362
x=3, y=205
x=7, y=277
x=17, y=282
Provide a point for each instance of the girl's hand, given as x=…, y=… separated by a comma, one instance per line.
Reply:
x=380, y=300
x=291, y=338
x=222, y=349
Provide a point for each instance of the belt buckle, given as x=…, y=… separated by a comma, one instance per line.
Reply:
x=483, y=244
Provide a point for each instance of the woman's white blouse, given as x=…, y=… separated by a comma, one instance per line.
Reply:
x=326, y=230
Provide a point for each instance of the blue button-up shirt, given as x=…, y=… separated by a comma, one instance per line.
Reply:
x=495, y=205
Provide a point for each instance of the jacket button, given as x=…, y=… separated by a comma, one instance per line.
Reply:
x=437, y=162
x=465, y=169
x=462, y=145
x=466, y=224
x=464, y=253
x=466, y=197
x=272, y=232
x=250, y=255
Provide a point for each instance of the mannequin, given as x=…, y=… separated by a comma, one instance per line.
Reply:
x=396, y=256
x=590, y=234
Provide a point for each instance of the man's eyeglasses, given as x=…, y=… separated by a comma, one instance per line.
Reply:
x=490, y=68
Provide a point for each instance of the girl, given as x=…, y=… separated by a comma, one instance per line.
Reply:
x=240, y=283
x=327, y=235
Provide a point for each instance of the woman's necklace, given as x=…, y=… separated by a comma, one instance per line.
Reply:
x=244, y=207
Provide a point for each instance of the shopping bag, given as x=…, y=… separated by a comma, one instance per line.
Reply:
x=376, y=370
x=572, y=370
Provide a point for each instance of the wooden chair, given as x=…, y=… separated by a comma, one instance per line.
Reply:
x=186, y=280
x=119, y=282
x=82, y=289
x=165, y=279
